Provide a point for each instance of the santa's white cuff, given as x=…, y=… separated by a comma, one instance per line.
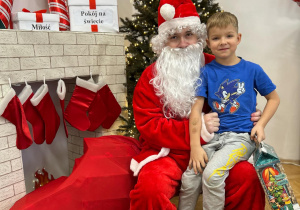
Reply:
x=5, y=101
x=39, y=95
x=86, y=84
x=136, y=167
x=206, y=136
x=61, y=89
x=25, y=93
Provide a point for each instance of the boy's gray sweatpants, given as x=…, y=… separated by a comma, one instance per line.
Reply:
x=223, y=152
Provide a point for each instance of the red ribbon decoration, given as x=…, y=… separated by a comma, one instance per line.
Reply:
x=60, y=7
x=38, y=14
x=94, y=28
x=5, y=10
x=92, y=4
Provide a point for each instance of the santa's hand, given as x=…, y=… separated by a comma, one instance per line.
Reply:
x=255, y=116
x=240, y=90
x=212, y=122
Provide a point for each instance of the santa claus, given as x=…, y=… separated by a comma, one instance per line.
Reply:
x=162, y=103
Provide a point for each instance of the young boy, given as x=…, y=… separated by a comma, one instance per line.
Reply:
x=230, y=84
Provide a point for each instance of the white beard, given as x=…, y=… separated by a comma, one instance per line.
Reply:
x=177, y=71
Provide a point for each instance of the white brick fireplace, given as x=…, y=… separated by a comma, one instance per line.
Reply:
x=31, y=55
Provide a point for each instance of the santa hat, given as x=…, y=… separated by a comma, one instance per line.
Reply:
x=173, y=15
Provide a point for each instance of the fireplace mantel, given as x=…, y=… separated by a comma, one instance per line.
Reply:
x=33, y=55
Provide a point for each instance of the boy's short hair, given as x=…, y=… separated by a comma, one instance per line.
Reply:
x=222, y=20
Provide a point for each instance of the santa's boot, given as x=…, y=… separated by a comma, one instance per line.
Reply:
x=82, y=97
x=42, y=101
x=32, y=115
x=12, y=110
x=61, y=92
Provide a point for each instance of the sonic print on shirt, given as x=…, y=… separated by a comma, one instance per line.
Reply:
x=228, y=92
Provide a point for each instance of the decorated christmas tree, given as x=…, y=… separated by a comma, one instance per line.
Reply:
x=140, y=29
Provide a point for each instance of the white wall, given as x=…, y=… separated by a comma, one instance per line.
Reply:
x=125, y=9
x=271, y=37
x=31, y=5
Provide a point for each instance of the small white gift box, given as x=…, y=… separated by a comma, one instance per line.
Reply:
x=93, y=15
x=35, y=21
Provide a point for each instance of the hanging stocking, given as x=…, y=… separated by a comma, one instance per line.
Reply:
x=97, y=111
x=32, y=115
x=61, y=92
x=82, y=97
x=111, y=104
x=12, y=110
x=44, y=105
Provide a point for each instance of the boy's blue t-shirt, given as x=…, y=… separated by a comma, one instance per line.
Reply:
x=223, y=87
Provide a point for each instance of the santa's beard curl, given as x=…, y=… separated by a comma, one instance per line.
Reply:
x=177, y=70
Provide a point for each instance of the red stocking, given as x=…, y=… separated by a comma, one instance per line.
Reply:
x=61, y=92
x=32, y=115
x=111, y=104
x=12, y=110
x=82, y=97
x=97, y=111
x=44, y=105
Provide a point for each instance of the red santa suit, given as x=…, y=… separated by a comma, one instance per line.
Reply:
x=165, y=156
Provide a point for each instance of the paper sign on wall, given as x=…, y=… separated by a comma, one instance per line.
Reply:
x=82, y=18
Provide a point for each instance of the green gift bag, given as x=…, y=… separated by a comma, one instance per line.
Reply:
x=273, y=179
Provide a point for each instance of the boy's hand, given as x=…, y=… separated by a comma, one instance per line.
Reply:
x=198, y=158
x=258, y=133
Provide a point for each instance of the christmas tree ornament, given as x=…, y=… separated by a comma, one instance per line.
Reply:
x=5, y=11
x=12, y=110
x=82, y=97
x=61, y=92
x=97, y=110
x=60, y=7
x=112, y=106
x=273, y=178
x=43, y=103
x=32, y=115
